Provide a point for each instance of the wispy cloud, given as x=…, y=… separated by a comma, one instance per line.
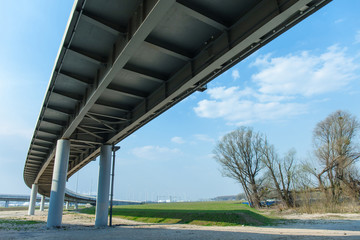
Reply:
x=357, y=37
x=235, y=74
x=340, y=20
x=204, y=138
x=155, y=152
x=178, y=140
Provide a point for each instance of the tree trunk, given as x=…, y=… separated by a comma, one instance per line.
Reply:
x=285, y=194
x=255, y=195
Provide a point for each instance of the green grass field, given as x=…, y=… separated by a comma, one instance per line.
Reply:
x=18, y=222
x=198, y=213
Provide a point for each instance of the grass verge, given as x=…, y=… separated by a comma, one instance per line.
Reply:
x=198, y=213
x=17, y=224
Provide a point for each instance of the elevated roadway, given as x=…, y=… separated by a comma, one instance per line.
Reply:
x=17, y=198
x=122, y=63
x=69, y=196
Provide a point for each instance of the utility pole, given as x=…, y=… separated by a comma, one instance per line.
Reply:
x=114, y=149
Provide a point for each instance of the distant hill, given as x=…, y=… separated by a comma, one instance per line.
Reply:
x=238, y=197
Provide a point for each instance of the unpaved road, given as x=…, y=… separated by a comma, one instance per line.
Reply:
x=81, y=226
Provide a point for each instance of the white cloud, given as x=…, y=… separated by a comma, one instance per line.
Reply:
x=204, y=138
x=241, y=107
x=305, y=74
x=178, y=140
x=283, y=87
x=235, y=74
x=228, y=93
x=155, y=152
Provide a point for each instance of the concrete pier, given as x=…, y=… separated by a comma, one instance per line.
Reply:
x=42, y=204
x=32, y=203
x=102, y=199
x=58, y=183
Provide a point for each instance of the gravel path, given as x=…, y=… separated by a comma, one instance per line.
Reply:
x=81, y=226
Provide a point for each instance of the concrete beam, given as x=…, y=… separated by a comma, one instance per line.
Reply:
x=138, y=31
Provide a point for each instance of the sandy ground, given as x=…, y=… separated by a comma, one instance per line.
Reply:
x=81, y=226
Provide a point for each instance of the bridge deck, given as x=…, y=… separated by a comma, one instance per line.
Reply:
x=122, y=63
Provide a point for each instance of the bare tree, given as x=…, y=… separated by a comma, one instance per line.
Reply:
x=336, y=151
x=281, y=172
x=240, y=153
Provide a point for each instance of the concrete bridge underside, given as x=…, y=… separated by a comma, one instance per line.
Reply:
x=123, y=63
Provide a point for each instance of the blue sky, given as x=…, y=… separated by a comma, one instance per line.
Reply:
x=282, y=90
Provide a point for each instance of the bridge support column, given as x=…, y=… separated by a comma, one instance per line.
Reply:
x=34, y=189
x=67, y=205
x=6, y=204
x=76, y=206
x=102, y=199
x=42, y=204
x=58, y=183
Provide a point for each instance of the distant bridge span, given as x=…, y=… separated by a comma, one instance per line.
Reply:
x=123, y=63
x=69, y=196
